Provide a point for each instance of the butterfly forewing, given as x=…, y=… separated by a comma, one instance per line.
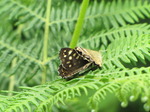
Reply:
x=71, y=59
x=72, y=62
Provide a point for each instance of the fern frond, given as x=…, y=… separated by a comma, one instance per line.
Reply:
x=125, y=70
x=103, y=13
x=110, y=14
x=43, y=97
x=132, y=87
x=112, y=74
x=127, y=50
x=100, y=94
x=17, y=10
x=70, y=92
x=23, y=59
x=103, y=38
x=124, y=86
x=46, y=95
x=4, y=80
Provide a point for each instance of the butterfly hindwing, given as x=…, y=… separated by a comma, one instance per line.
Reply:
x=67, y=73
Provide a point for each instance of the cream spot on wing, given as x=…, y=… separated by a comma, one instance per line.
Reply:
x=77, y=57
x=70, y=66
x=64, y=50
x=68, y=62
x=69, y=52
x=70, y=57
x=65, y=56
x=74, y=54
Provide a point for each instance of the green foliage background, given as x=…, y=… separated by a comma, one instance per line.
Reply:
x=33, y=31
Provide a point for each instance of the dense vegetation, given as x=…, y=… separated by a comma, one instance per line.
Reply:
x=32, y=32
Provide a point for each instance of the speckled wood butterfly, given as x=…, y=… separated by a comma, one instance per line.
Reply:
x=75, y=60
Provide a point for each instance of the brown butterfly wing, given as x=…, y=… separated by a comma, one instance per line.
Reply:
x=67, y=73
x=72, y=62
x=71, y=59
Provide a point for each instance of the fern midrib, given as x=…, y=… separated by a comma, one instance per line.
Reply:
x=102, y=15
x=113, y=31
x=55, y=97
x=126, y=52
x=118, y=81
x=28, y=10
x=49, y=59
x=74, y=19
x=62, y=21
x=20, y=53
x=121, y=72
x=134, y=78
x=24, y=102
x=119, y=11
x=96, y=94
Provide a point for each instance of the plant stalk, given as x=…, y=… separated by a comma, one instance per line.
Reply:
x=12, y=78
x=79, y=24
x=45, y=44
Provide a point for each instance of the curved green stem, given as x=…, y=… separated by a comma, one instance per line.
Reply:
x=79, y=24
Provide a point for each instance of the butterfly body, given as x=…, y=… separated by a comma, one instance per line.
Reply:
x=75, y=60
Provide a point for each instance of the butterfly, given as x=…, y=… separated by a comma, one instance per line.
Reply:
x=76, y=60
